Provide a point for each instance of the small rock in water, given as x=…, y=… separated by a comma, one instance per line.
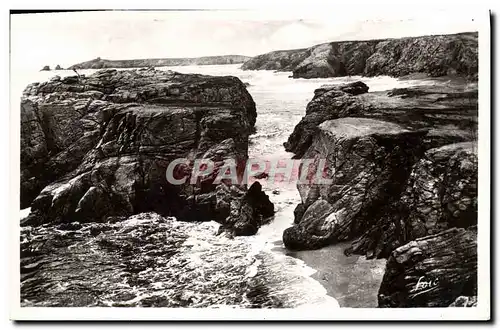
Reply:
x=276, y=192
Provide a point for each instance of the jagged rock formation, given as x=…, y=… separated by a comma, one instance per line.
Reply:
x=385, y=155
x=99, y=146
x=366, y=159
x=440, y=193
x=403, y=166
x=45, y=68
x=433, y=271
x=434, y=55
x=58, y=67
x=99, y=63
x=242, y=213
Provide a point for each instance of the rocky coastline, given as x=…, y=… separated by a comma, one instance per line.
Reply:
x=437, y=55
x=96, y=148
x=403, y=165
x=100, y=63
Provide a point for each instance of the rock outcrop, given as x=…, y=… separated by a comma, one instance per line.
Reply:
x=58, y=67
x=45, y=68
x=447, y=110
x=97, y=147
x=242, y=213
x=391, y=157
x=434, y=271
x=434, y=55
x=402, y=168
x=366, y=160
x=100, y=63
x=440, y=193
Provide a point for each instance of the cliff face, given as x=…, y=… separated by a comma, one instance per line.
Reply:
x=403, y=166
x=434, y=55
x=281, y=60
x=98, y=147
x=99, y=63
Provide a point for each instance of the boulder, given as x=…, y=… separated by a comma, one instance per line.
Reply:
x=45, y=68
x=246, y=213
x=432, y=271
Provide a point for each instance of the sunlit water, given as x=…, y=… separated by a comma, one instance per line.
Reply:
x=206, y=270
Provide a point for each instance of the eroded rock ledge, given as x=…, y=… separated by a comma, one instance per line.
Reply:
x=97, y=147
x=403, y=166
x=437, y=55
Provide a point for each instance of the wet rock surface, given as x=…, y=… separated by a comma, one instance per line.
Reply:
x=99, y=146
x=246, y=211
x=438, y=55
x=432, y=271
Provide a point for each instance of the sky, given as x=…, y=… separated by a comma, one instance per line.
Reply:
x=70, y=38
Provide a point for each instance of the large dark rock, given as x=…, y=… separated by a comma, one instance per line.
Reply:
x=441, y=193
x=403, y=166
x=433, y=55
x=45, y=68
x=447, y=110
x=432, y=271
x=380, y=168
x=243, y=213
x=367, y=160
x=329, y=102
x=98, y=146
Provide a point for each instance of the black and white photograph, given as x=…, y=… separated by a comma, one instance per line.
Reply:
x=246, y=164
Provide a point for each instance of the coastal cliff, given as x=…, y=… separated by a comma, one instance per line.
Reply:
x=99, y=63
x=437, y=55
x=95, y=148
x=403, y=167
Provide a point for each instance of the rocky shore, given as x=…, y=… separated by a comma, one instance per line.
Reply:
x=403, y=166
x=433, y=55
x=100, y=63
x=96, y=148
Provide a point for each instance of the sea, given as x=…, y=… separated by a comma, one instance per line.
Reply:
x=208, y=270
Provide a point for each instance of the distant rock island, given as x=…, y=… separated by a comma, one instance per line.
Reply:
x=100, y=63
x=436, y=56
